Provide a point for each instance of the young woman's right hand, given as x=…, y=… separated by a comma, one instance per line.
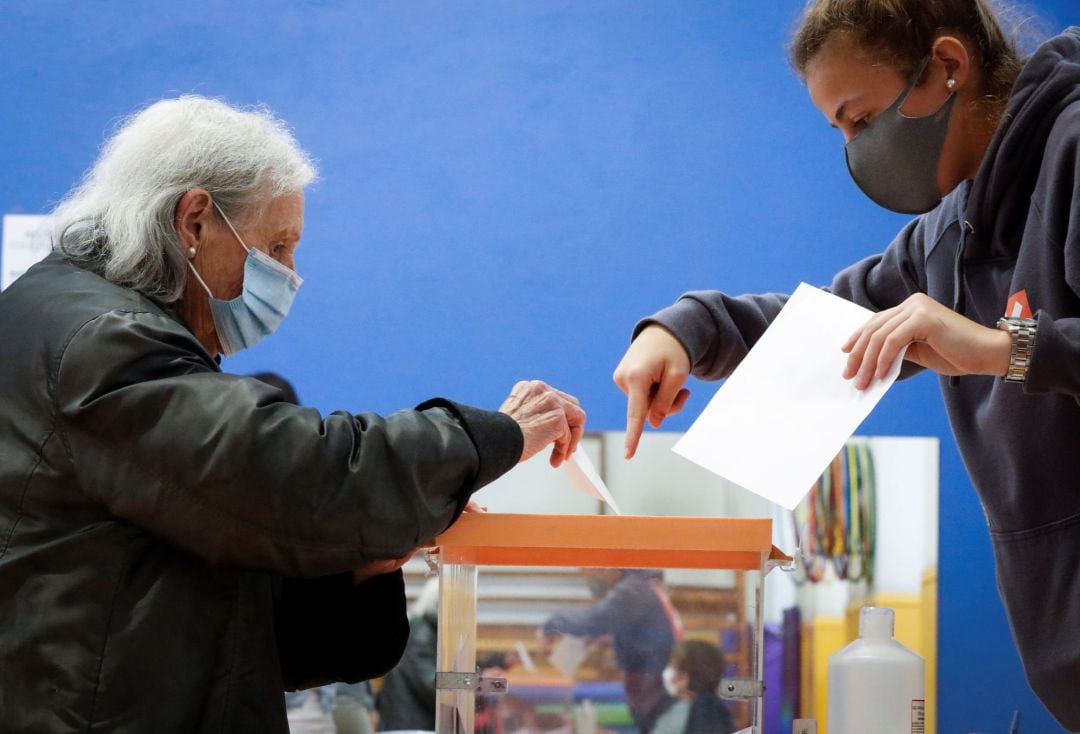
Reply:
x=652, y=374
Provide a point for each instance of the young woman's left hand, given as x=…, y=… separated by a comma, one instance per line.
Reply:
x=936, y=337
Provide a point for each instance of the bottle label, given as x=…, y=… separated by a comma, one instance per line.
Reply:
x=918, y=716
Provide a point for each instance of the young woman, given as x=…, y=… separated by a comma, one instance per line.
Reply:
x=941, y=118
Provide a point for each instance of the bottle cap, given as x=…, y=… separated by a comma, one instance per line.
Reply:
x=876, y=622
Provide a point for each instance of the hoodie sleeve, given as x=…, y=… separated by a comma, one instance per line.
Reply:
x=1055, y=361
x=717, y=330
x=602, y=618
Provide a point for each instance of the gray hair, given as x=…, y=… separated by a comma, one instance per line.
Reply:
x=120, y=220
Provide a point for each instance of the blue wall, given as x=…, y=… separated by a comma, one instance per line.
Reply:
x=506, y=187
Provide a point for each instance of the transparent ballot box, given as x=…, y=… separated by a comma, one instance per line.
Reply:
x=566, y=623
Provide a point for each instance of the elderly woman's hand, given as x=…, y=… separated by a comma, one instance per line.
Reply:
x=546, y=416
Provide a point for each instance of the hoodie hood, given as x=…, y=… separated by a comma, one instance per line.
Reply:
x=1001, y=192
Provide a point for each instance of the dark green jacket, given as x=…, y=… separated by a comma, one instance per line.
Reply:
x=175, y=542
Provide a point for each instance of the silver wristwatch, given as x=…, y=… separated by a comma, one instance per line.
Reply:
x=1022, y=332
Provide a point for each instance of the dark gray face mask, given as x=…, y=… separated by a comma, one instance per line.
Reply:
x=894, y=160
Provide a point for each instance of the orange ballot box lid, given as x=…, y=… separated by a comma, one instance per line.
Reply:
x=613, y=541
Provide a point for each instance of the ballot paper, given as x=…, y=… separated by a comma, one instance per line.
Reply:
x=786, y=410
x=568, y=654
x=584, y=478
x=25, y=241
x=524, y=656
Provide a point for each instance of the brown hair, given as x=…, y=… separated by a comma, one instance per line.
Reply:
x=901, y=32
x=703, y=664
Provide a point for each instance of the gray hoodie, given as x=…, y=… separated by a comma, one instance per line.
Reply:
x=1010, y=236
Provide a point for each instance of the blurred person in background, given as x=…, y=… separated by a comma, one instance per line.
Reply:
x=633, y=609
x=406, y=700
x=693, y=677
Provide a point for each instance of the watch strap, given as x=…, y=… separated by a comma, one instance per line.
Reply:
x=1022, y=332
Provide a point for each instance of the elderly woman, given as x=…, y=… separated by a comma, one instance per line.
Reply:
x=179, y=545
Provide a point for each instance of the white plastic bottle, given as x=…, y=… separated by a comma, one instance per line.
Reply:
x=876, y=685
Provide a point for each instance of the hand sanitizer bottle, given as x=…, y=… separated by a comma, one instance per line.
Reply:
x=876, y=685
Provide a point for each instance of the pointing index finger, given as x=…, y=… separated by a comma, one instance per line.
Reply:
x=638, y=401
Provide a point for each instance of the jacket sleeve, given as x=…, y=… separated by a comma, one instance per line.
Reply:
x=221, y=466
x=718, y=330
x=331, y=630
x=602, y=618
x=1055, y=360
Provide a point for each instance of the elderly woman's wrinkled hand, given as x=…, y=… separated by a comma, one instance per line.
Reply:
x=546, y=416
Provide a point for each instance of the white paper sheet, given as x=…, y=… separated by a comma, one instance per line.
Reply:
x=584, y=478
x=25, y=241
x=786, y=411
x=568, y=654
x=525, y=657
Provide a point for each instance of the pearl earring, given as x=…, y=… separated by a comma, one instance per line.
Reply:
x=191, y=253
x=950, y=84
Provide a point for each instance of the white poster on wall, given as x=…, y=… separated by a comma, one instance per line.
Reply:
x=26, y=240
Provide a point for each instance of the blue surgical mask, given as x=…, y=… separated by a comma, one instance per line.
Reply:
x=269, y=290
